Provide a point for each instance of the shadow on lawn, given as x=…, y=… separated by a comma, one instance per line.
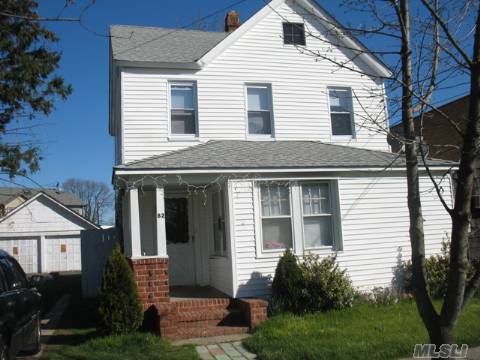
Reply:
x=78, y=321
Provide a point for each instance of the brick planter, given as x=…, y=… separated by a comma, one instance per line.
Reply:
x=151, y=276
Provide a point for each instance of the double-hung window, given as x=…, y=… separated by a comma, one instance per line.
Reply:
x=183, y=108
x=317, y=215
x=276, y=216
x=341, y=111
x=302, y=215
x=260, y=115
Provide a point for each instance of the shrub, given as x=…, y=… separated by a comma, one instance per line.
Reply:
x=437, y=273
x=327, y=287
x=383, y=296
x=313, y=285
x=120, y=311
x=287, y=285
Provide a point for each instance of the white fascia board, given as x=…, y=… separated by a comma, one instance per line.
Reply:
x=118, y=172
x=330, y=23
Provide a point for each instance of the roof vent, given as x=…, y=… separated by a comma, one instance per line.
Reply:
x=232, y=21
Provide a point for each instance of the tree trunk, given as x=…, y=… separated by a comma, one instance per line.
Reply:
x=457, y=276
x=420, y=287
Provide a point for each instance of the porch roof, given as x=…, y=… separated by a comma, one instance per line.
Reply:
x=239, y=154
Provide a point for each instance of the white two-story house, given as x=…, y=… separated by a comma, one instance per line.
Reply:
x=234, y=146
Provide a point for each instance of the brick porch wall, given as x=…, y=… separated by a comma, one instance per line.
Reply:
x=255, y=311
x=151, y=276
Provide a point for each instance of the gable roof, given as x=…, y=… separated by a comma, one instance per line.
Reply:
x=54, y=201
x=160, y=45
x=254, y=155
x=8, y=194
x=189, y=47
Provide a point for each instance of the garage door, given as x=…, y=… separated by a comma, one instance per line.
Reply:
x=25, y=250
x=62, y=253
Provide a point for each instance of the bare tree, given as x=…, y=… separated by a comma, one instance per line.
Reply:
x=425, y=48
x=97, y=196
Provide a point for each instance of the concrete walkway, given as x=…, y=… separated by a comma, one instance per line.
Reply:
x=224, y=351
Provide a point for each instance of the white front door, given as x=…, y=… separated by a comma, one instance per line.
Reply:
x=180, y=248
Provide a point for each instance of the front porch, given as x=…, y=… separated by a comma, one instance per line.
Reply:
x=178, y=244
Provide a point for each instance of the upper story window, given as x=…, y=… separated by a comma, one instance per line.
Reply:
x=293, y=33
x=260, y=115
x=183, y=109
x=341, y=111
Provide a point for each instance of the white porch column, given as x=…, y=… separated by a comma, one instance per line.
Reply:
x=160, y=216
x=134, y=213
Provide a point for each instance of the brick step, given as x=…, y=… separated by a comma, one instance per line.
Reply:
x=207, y=331
x=198, y=304
x=203, y=314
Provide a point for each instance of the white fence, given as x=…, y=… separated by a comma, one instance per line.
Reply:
x=97, y=246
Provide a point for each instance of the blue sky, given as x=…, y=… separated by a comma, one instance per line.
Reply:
x=74, y=139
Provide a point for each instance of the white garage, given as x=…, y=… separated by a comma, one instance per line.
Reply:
x=25, y=250
x=44, y=235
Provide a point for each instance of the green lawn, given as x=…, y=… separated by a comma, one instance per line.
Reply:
x=75, y=337
x=363, y=332
x=136, y=346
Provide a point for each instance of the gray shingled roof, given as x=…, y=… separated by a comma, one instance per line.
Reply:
x=65, y=198
x=151, y=44
x=235, y=154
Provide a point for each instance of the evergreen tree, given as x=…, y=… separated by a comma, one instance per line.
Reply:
x=120, y=310
x=28, y=84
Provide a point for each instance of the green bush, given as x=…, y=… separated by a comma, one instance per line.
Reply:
x=437, y=273
x=287, y=285
x=327, y=287
x=313, y=285
x=120, y=311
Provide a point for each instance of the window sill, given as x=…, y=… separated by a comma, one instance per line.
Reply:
x=218, y=257
x=343, y=138
x=260, y=137
x=183, y=138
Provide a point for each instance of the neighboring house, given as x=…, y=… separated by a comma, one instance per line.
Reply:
x=442, y=141
x=41, y=228
x=233, y=146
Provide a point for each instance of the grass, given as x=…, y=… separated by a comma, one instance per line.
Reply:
x=362, y=332
x=136, y=346
x=75, y=336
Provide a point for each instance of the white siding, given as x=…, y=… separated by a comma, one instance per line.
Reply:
x=300, y=101
x=40, y=216
x=374, y=217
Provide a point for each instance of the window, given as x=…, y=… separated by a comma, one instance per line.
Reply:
x=341, y=111
x=176, y=220
x=276, y=216
x=302, y=215
x=259, y=109
x=293, y=33
x=218, y=218
x=14, y=274
x=317, y=215
x=183, y=105
x=476, y=194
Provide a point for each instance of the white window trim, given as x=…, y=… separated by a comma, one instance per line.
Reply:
x=296, y=215
x=182, y=137
x=341, y=138
x=272, y=115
